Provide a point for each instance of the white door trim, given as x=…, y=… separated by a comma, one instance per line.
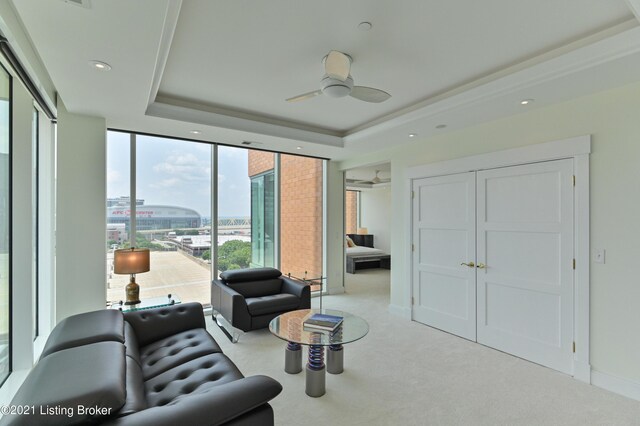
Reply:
x=578, y=149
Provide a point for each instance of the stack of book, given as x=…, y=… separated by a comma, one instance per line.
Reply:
x=322, y=322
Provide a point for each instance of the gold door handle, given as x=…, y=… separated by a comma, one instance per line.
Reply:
x=481, y=266
x=470, y=264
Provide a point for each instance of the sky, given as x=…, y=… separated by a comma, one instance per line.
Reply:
x=178, y=173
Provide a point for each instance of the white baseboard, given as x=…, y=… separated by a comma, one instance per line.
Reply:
x=619, y=385
x=400, y=311
x=582, y=371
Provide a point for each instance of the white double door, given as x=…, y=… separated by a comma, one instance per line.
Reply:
x=493, y=258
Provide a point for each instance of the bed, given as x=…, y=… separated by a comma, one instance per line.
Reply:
x=364, y=255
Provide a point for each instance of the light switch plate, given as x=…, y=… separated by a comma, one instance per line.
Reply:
x=598, y=255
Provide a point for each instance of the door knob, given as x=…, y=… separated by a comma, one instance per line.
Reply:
x=470, y=264
x=481, y=265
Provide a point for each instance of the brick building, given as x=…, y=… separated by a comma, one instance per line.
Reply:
x=300, y=210
x=351, y=212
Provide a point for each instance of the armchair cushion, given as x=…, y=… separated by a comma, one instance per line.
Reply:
x=257, y=288
x=171, y=351
x=270, y=304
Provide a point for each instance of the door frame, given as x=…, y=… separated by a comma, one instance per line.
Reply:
x=578, y=149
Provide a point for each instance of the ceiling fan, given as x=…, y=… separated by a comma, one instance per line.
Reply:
x=338, y=83
x=376, y=179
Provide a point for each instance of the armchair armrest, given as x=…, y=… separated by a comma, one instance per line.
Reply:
x=151, y=325
x=213, y=406
x=299, y=289
x=232, y=306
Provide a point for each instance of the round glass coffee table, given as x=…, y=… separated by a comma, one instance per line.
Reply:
x=290, y=327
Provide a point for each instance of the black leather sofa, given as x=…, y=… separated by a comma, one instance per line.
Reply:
x=149, y=367
x=250, y=298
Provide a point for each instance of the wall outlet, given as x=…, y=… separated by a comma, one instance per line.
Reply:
x=598, y=255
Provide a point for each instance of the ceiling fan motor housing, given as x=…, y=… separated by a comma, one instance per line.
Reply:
x=336, y=88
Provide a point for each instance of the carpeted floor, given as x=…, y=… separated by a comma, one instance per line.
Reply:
x=405, y=373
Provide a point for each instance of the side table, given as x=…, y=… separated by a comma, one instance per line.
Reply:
x=152, y=302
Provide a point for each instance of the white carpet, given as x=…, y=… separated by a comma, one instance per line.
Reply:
x=405, y=373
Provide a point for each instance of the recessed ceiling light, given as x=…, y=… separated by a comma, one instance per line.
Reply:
x=298, y=147
x=526, y=101
x=99, y=65
x=365, y=26
x=413, y=135
x=441, y=126
x=195, y=132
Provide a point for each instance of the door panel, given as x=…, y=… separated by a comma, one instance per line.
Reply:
x=525, y=239
x=444, y=237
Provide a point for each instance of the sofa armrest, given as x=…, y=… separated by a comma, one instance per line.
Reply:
x=213, y=406
x=232, y=306
x=151, y=325
x=297, y=288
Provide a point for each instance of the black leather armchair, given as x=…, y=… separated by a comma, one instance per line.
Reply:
x=250, y=298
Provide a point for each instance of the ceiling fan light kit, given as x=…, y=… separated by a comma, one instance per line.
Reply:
x=338, y=83
x=336, y=88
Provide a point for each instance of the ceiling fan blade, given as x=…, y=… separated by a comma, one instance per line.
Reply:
x=369, y=94
x=304, y=96
x=337, y=65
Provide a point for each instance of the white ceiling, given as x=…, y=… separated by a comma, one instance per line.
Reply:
x=225, y=68
x=369, y=172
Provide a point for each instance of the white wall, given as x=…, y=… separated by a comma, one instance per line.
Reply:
x=611, y=118
x=335, y=228
x=81, y=214
x=375, y=215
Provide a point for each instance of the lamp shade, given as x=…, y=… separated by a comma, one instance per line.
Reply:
x=131, y=261
x=363, y=231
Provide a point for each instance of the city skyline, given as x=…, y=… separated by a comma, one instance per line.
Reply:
x=176, y=172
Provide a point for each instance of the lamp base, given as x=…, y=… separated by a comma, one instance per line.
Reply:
x=133, y=293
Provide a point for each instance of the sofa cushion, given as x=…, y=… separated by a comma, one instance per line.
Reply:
x=271, y=304
x=88, y=376
x=252, y=274
x=192, y=377
x=169, y=352
x=83, y=329
x=136, y=399
x=131, y=343
x=258, y=288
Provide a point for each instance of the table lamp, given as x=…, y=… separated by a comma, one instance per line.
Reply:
x=131, y=261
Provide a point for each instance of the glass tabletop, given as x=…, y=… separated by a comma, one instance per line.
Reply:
x=290, y=327
x=149, y=303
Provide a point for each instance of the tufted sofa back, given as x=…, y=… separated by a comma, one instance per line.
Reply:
x=150, y=325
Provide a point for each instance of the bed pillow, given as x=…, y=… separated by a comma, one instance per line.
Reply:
x=350, y=242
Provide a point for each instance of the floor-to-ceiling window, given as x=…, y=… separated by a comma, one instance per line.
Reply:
x=172, y=210
x=351, y=211
x=170, y=195
x=35, y=291
x=173, y=216
x=246, y=228
x=5, y=224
